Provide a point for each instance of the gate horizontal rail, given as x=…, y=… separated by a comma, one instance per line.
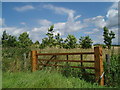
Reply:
x=65, y=53
x=66, y=60
x=69, y=66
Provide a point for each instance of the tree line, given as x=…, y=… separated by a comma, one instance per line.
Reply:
x=23, y=40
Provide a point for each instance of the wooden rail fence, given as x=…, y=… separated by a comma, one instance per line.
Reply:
x=98, y=62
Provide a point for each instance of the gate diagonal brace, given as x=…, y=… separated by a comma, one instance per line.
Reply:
x=53, y=57
x=55, y=62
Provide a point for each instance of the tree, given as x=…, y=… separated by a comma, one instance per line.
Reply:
x=24, y=40
x=108, y=36
x=8, y=40
x=51, y=40
x=5, y=35
x=44, y=43
x=4, y=38
x=37, y=42
x=12, y=41
x=70, y=42
x=58, y=40
x=85, y=42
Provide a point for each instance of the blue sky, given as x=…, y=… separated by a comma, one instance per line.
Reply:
x=79, y=19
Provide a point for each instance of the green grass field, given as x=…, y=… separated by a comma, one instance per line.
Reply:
x=43, y=79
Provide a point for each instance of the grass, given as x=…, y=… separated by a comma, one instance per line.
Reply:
x=43, y=79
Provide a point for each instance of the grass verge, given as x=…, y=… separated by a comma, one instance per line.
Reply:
x=43, y=79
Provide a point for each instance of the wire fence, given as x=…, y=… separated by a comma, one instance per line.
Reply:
x=15, y=59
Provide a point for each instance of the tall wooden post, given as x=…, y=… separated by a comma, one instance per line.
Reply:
x=99, y=72
x=67, y=59
x=34, y=60
x=81, y=56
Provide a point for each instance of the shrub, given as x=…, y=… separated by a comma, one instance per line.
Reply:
x=112, y=78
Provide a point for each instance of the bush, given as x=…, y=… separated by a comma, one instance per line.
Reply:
x=77, y=73
x=112, y=78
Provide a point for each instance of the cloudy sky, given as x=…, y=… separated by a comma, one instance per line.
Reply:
x=78, y=19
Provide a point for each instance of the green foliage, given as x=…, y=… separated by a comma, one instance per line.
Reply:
x=108, y=36
x=36, y=45
x=37, y=42
x=50, y=36
x=77, y=73
x=24, y=40
x=70, y=42
x=8, y=40
x=43, y=79
x=49, y=40
x=59, y=41
x=85, y=42
x=102, y=45
x=112, y=77
x=45, y=43
x=4, y=36
x=11, y=41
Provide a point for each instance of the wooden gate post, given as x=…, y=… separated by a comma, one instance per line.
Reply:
x=99, y=65
x=34, y=60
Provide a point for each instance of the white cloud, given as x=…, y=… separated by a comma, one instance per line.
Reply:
x=94, y=31
x=24, y=8
x=60, y=27
x=14, y=30
x=88, y=32
x=98, y=21
x=69, y=26
x=44, y=22
x=23, y=23
x=60, y=10
x=56, y=32
x=112, y=16
x=40, y=29
x=72, y=24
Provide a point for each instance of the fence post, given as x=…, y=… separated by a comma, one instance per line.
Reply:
x=108, y=62
x=34, y=60
x=99, y=65
x=81, y=56
x=67, y=59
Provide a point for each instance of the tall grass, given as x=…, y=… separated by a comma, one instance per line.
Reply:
x=43, y=79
